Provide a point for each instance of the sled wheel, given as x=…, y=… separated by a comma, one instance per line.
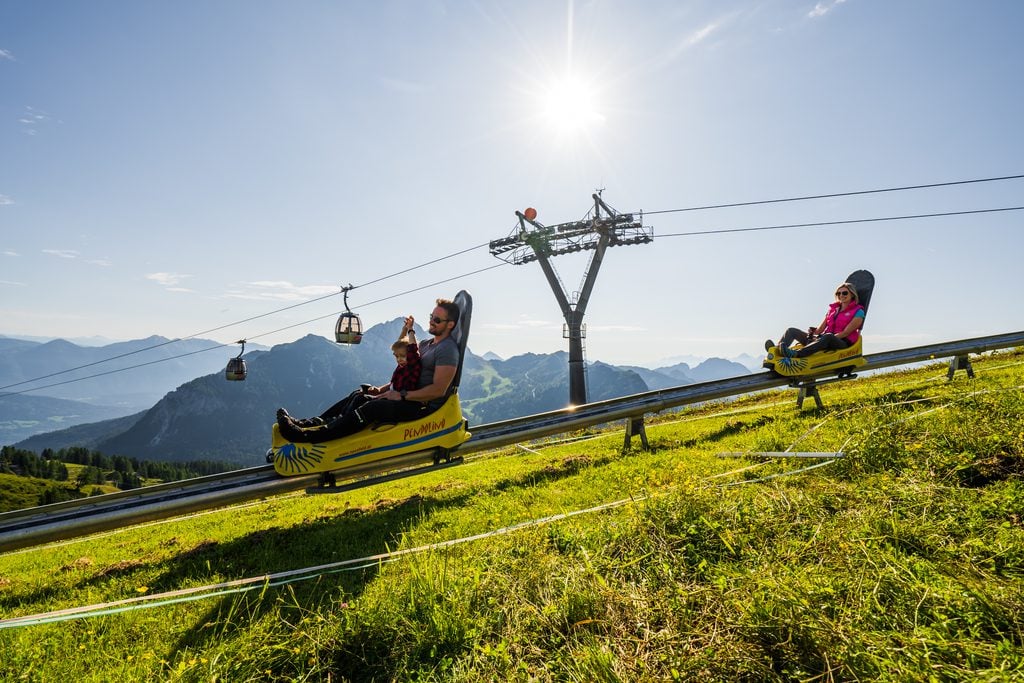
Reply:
x=327, y=480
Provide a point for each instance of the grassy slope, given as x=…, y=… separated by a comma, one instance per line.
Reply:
x=20, y=492
x=492, y=385
x=904, y=561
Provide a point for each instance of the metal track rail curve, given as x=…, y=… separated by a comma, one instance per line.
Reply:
x=71, y=519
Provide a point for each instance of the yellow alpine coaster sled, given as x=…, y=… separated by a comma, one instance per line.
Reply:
x=841, y=362
x=442, y=430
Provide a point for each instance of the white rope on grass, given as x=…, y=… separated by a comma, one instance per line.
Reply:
x=283, y=578
x=780, y=474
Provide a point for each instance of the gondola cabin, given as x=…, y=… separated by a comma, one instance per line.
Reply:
x=349, y=329
x=236, y=370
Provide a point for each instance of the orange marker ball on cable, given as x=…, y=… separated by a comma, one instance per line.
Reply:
x=530, y=213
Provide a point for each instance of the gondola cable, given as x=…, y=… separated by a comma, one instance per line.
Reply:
x=224, y=327
x=469, y=249
x=844, y=222
x=416, y=289
x=250, y=338
x=681, y=234
x=836, y=194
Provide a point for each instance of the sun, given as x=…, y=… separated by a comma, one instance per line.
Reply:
x=570, y=106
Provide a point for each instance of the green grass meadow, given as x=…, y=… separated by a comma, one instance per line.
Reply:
x=571, y=560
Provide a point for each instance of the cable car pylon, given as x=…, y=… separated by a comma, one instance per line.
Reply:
x=604, y=227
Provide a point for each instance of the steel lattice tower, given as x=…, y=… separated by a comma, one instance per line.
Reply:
x=602, y=228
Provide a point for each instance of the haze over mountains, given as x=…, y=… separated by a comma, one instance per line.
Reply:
x=39, y=391
x=203, y=416
x=160, y=364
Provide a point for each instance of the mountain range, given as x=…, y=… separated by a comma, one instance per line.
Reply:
x=210, y=418
x=40, y=387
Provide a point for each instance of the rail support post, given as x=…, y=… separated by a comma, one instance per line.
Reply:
x=805, y=388
x=805, y=391
x=809, y=387
x=959, y=363
x=635, y=427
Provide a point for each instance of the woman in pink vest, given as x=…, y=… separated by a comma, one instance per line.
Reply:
x=840, y=328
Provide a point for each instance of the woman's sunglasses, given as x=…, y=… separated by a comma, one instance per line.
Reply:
x=843, y=293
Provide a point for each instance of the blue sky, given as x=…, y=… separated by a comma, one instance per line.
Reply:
x=167, y=168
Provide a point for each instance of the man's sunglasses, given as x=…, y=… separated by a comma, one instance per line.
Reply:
x=437, y=321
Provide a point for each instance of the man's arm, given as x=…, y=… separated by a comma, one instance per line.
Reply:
x=443, y=376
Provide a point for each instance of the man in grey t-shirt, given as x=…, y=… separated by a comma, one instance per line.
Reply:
x=439, y=357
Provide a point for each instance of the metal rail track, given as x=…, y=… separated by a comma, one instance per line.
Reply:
x=70, y=519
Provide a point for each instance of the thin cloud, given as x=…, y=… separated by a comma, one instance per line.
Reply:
x=61, y=253
x=9, y=283
x=68, y=254
x=167, y=279
x=823, y=8
x=688, y=42
x=528, y=323
x=32, y=119
x=694, y=38
x=8, y=252
x=699, y=36
x=279, y=290
x=6, y=54
x=5, y=200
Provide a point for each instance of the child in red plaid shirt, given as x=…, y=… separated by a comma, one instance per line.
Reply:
x=407, y=353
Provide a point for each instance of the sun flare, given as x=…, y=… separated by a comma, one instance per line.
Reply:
x=571, y=107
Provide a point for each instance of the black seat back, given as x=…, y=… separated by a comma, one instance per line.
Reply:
x=461, y=332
